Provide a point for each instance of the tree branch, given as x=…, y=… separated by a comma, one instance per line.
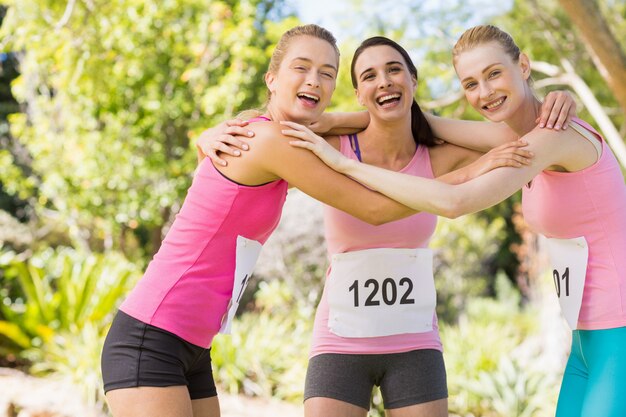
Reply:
x=604, y=48
x=69, y=9
x=442, y=101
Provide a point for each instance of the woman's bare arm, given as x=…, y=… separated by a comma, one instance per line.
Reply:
x=479, y=136
x=341, y=123
x=272, y=155
x=549, y=148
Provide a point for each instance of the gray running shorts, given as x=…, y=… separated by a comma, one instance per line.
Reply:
x=405, y=379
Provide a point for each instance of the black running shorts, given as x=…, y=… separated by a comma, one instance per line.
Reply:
x=136, y=354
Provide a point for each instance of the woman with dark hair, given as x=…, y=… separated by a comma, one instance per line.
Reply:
x=376, y=321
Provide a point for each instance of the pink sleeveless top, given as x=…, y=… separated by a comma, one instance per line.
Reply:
x=189, y=282
x=345, y=233
x=589, y=203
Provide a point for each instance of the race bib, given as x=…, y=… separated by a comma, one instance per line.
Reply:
x=381, y=292
x=248, y=252
x=569, y=269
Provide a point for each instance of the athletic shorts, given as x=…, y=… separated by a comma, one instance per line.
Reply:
x=136, y=354
x=405, y=379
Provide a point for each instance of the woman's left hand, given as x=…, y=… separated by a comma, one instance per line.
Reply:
x=510, y=154
x=316, y=144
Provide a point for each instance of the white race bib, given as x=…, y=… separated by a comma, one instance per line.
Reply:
x=569, y=270
x=381, y=292
x=248, y=252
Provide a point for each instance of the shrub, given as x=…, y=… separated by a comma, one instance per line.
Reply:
x=60, y=322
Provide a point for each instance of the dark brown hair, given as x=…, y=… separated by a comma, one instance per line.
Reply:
x=422, y=133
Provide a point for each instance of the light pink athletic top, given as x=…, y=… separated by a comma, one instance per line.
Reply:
x=590, y=203
x=189, y=282
x=345, y=233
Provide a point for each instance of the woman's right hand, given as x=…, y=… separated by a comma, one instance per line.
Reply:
x=316, y=144
x=223, y=138
x=557, y=110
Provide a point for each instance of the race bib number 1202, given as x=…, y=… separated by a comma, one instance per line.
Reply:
x=381, y=292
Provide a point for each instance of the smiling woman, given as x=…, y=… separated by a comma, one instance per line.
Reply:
x=490, y=84
x=306, y=64
x=156, y=358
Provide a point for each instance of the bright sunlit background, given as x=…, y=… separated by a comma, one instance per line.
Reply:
x=100, y=105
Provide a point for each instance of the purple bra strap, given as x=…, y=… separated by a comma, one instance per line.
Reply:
x=354, y=144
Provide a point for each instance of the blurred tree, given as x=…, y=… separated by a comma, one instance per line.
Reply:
x=112, y=92
x=605, y=50
x=8, y=105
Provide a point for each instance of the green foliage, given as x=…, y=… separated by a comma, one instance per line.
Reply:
x=60, y=323
x=266, y=355
x=464, y=249
x=511, y=390
x=74, y=355
x=490, y=361
x=64, y=291
x=113, y=91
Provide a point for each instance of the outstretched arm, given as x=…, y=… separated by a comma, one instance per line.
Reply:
x=557, y=110
x=474, y=164
x=273, y=155
x=479, y=136
x=341, y=123
x=461, y=164
x=456, y=200
x=444, y=199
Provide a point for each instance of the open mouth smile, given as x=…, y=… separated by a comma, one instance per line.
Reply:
x=388, y=100
x=309, y=99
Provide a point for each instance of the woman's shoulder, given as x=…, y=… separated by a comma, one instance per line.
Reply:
x=566, y=150
x=265, y=128
x=267, y=133
x=269, y=141
x=541, y=136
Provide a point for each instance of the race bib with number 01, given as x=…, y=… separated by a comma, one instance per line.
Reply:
x=248, y=252
x=569, y=270
x=381, y=292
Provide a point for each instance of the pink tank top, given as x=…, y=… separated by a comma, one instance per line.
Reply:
x=345, y=233
x=189, y=282
x=589, y=203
